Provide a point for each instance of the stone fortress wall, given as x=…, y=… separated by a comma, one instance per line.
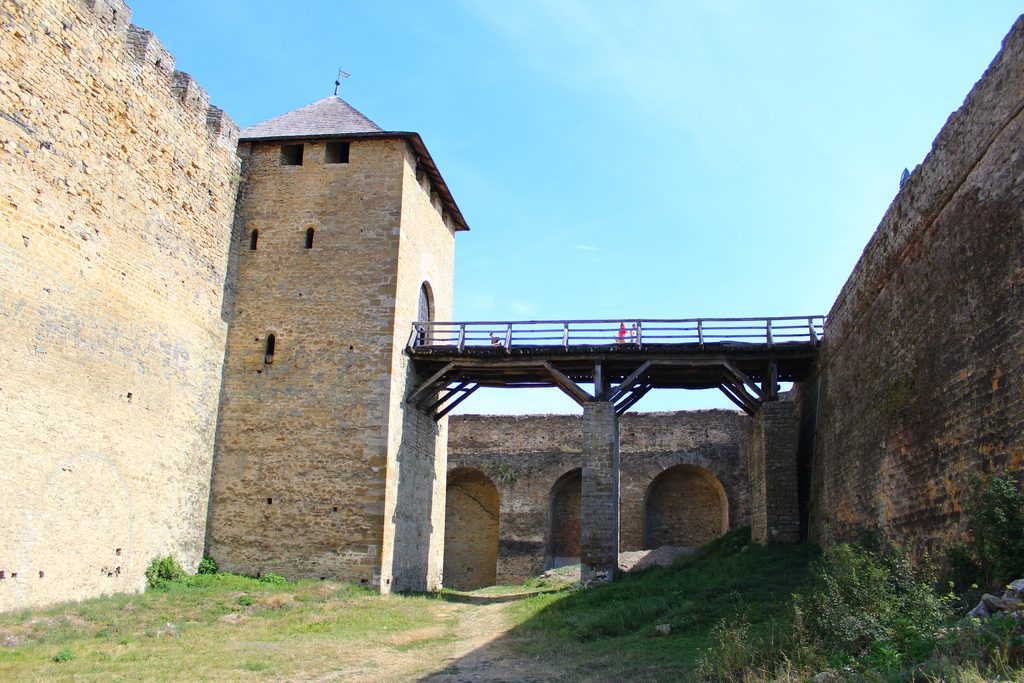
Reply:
x=513, y=501
x=921, y=374
x=116, y=203
x=116, y=213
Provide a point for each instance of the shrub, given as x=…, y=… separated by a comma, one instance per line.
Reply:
x=273, y=579
x=162, y=571
x=64, y=655
x=245, y=600
x=873, y=603
x=993, y=553
x=208, y=565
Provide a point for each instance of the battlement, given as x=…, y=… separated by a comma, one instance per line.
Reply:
x=150, y=59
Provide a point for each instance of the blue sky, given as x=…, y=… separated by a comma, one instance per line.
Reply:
x=624, y=160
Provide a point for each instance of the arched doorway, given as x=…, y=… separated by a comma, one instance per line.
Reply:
x=425, y=313
x=564, y=520
x=470, y=530
x=685, y=506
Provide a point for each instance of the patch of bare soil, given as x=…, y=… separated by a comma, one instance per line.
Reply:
x=659, y=557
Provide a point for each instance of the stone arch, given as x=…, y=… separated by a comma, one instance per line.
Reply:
x=563, y=545
x=470, y=530
x=685, y=505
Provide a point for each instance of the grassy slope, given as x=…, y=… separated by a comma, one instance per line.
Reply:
x=203, y=628
x=609, y=632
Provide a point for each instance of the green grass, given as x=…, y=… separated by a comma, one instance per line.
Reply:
x=197, y=625
x=610, y=632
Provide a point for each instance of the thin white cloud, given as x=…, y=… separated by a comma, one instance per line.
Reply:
x=587, y=247
x=481, y=302
x=523, y=307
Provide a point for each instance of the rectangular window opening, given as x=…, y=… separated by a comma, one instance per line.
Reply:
x=291, y=155
x=337, y=153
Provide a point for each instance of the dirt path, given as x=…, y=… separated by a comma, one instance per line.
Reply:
x=470, y=645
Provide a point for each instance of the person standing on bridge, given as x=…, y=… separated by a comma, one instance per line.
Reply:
x=621, y=339
x=634, y=334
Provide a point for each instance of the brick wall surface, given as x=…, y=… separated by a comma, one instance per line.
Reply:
x=922, y=368
x=470, y=531
x=116, y=202
x=526, y=455
x=772, y=467
x=686, y=506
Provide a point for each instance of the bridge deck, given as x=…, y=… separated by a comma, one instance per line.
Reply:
x=744, y=358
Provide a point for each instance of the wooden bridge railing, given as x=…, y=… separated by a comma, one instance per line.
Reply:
x=567, y=333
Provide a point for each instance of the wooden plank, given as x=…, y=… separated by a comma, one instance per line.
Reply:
x=568, y=386
x=629, y=402
x=449, y=408
x=627, y=384
x=741, y=376
x=445, y=396
x=415, y=395
x=727, y=390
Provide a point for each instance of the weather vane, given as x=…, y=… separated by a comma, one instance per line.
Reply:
x=337, y=83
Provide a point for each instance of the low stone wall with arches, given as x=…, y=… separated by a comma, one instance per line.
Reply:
x=514, y=485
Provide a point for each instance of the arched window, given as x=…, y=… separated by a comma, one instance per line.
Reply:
x=425, y=313
x=268, y=354
x=253, y=238
x=309, y=238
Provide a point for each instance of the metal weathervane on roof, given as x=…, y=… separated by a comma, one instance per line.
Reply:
x=337, y=83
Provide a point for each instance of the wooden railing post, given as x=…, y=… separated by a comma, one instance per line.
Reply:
x=508, y=337
x=812, y=335
x=700, y=333
x=639, y=332
x=768, y=330
x=565, y=336
x=462, y=336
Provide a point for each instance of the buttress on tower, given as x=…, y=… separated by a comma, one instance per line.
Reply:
x=344, y=237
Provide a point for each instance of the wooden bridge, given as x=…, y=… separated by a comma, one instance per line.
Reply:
x=621, y=360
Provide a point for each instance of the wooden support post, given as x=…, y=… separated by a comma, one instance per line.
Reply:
x=700, y=333
x=451, y=406
x=574, y=391
x=423, y=388
x=565, y=336
x=462, y=337
x=508, y=338
x=600, y=390
x=628, y=383
x=768, y=330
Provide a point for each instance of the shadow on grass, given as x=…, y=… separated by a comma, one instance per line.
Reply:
x=611, y=633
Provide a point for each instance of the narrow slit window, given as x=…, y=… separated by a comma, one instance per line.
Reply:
x=254, y=237
x=268, y=355
x=291, y=155
x=336, y=153
x=309, y=238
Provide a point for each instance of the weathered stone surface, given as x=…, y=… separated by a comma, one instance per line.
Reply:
x=921, y=375
x=116, y=203
x=535, y=461
x=772, y=468
x=322, y=470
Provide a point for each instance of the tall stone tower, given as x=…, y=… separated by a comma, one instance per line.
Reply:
x=344, y=237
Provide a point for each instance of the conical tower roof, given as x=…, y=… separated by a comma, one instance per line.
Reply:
x=329, y=116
